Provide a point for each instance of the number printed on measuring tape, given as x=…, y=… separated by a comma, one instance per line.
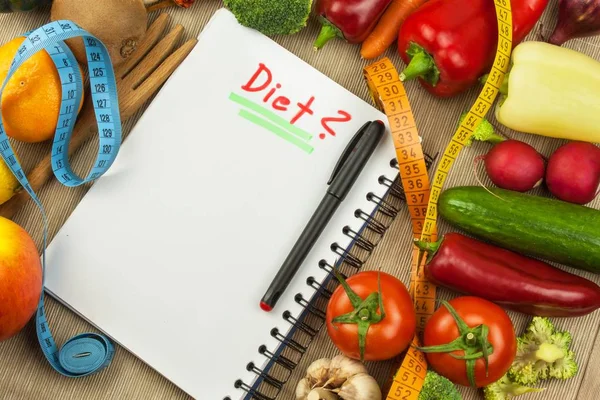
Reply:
x=86, y=353
x=410, y=377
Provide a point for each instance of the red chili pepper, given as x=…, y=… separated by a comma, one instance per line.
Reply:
x=450, y=44
x=352, y=20
x=509, y=279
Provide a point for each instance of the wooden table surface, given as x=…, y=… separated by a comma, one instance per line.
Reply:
x=26, y=375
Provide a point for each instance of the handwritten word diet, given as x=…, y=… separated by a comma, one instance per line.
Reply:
x=262, y=82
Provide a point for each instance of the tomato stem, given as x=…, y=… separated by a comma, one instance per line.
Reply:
x=473, y=342
x=484, y=347
x=470, y=339
x=470, y=364
x=364, y=313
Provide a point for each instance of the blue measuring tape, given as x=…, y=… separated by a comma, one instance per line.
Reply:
x=86, y=353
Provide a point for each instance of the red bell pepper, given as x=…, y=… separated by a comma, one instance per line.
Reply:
x=509, y=279
x=450, y=44
x=352, y=20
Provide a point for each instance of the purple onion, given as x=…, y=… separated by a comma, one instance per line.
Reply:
x=576, y=19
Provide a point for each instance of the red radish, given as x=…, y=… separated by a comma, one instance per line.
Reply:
x=573, y=172
x=514, y=165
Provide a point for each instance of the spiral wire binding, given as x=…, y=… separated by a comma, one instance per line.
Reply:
x=291, y=349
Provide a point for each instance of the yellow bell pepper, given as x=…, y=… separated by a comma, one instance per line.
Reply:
x=551, y=91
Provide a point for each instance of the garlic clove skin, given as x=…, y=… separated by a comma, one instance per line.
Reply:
x=342, y=368
x=302, y=389
x=361, y=386
x=317, y=373
x=321, y=394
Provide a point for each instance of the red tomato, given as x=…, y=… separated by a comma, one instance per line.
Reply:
x=385, y=339
x=442, y=329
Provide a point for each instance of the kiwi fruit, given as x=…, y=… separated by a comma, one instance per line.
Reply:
x=119, y=24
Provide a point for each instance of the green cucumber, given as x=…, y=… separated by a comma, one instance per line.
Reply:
x=540, y=227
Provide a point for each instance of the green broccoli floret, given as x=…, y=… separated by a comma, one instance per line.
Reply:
x=484, y=132
x=436, y=387
x=281, y=17
x=542, y=353
x=564, y=368
x=505, y=389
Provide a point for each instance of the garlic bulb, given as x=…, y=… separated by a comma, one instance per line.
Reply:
x=360, y=387
x=339, y=378
x=341, y=368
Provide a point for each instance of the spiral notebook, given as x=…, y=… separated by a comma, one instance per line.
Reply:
x=170, y=252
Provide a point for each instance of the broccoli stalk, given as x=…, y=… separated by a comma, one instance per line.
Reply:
x=542, y=353
x=271, y=17
x=505, y=389
x=436, y=387
x=484, y=132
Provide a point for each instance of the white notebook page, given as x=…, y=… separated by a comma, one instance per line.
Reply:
x=170, y=252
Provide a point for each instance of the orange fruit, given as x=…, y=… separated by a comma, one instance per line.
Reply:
x=31, y=99
x=8, y=182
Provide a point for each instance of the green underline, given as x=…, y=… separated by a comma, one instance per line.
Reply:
x=276, y=130
x=271, y=116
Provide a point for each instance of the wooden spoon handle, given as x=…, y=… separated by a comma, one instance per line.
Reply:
x=85, y=127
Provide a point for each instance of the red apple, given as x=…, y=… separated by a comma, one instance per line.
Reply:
x=20, y=278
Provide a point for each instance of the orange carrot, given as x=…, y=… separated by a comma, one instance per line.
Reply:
x=386, y=31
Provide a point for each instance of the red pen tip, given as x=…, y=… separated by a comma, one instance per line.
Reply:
x=265, y=306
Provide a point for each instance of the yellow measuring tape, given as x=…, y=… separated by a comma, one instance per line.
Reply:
x=422, y=196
